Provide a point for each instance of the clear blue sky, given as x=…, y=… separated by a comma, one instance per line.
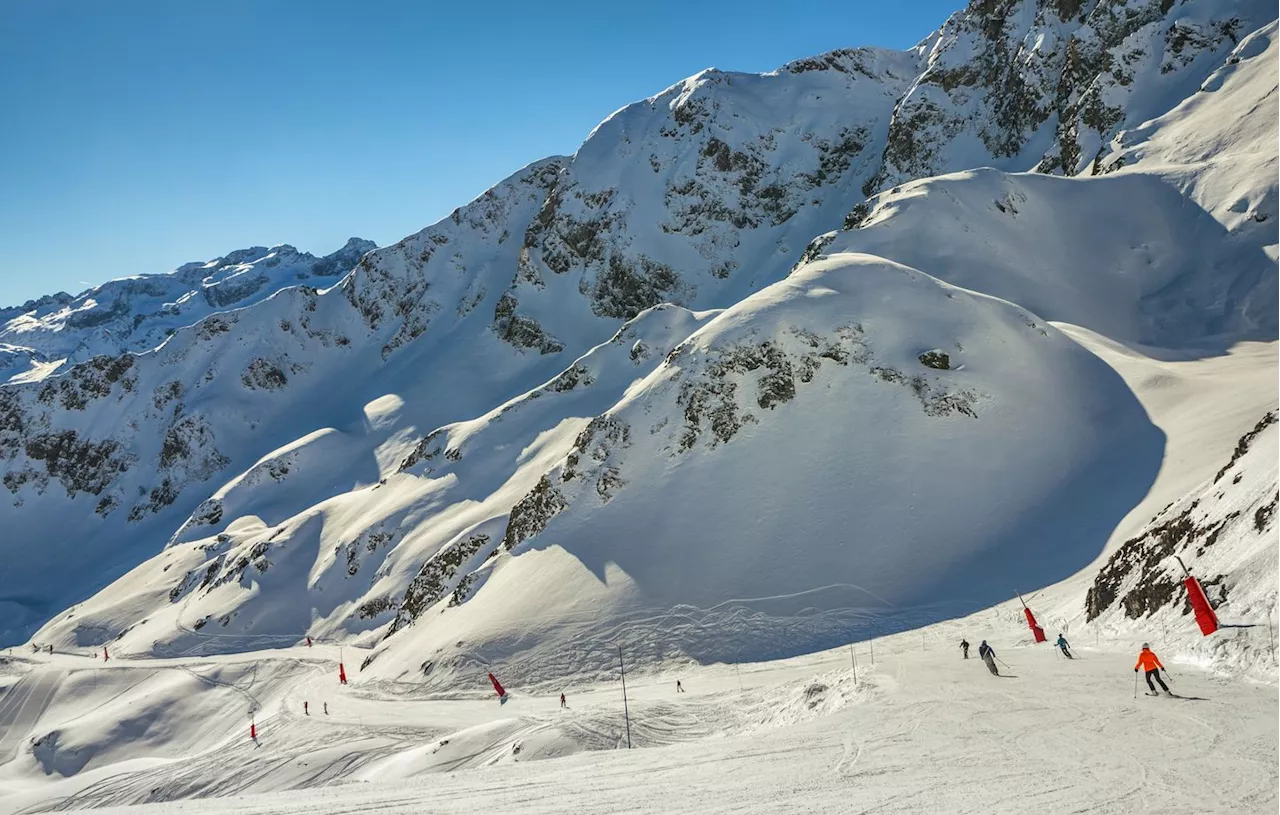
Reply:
x=140, y=135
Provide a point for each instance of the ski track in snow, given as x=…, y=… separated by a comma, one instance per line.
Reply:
x=23, y=706
x=922, y=730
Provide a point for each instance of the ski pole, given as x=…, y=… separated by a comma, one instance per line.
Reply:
x=1135, y=684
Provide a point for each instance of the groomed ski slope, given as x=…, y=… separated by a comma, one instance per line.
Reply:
x=921, y=731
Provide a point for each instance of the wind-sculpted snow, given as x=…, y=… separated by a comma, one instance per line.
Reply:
x=269, y=554
x=1125, y=255
x=795, y=466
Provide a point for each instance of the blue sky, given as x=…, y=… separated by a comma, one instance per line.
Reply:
x=141, y=135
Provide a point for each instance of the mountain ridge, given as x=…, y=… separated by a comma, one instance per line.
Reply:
x=702, y=196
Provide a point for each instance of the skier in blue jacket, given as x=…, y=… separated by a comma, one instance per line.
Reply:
x=1062, y=643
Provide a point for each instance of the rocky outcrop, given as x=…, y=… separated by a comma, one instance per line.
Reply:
x=1045, y=84
x=1214, y=531
x=438, y=577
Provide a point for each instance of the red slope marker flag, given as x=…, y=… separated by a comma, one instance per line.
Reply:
x=1036, y=630
x=1206, y=618
x=497, y=686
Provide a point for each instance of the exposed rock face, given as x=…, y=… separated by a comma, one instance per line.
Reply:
x=1018, y=84
x=1215, y=530
x=436, y=578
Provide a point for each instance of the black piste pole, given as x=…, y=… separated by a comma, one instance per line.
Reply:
x=625, y=711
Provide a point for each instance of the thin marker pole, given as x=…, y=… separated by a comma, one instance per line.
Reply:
x=1271, y=638
x=625, y=710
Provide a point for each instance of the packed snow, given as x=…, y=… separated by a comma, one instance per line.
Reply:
x=917, y=728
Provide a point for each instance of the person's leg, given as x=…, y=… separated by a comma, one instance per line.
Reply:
x=1163, y=686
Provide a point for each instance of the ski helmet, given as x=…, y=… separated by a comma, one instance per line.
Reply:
x=1146, y=645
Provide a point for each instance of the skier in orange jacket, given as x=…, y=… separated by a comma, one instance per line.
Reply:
x=1148, y=661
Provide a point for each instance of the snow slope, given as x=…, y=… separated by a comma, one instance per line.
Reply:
x=735, y=558
x=800, y=734
x=1123, y=255
x=461, y=317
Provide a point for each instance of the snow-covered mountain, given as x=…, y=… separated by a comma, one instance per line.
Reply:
x=137, y=313
x=1016, y=84
x=629, y=390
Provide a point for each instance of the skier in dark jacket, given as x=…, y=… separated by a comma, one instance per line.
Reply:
x=964, y=646
x=1062, y=643
x=988, y=655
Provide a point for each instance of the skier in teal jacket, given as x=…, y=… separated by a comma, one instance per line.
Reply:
x=1062, y=643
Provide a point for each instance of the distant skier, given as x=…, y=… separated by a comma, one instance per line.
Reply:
x=50, y=650
x=988, y=655
x=326, y=708
x=1149, y=662
x=964, y=646
x=308, y=642
x=562, y=701
x=1066, y=649
x=679, y=687
x=306, y=708
x=105, y=656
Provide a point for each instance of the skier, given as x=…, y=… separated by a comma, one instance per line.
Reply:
x=562, y=702
x=679, y=687
x=964, y=646
x=50, y=650
x=1148, y=661
x=105, y=655
x=306, y=708
x=326, y=708
x=989, y=657
x=308, y=642
x=1062, y=643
